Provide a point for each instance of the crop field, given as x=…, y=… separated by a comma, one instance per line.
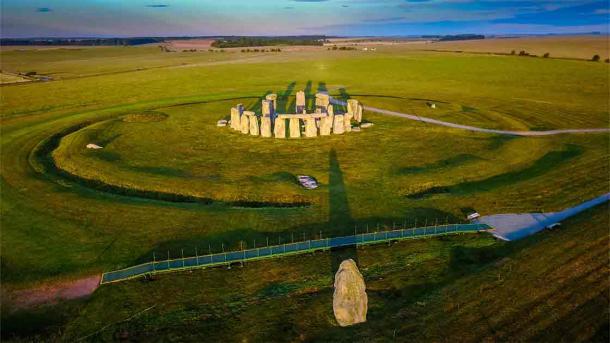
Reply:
x=168, y=181
x=581, y=47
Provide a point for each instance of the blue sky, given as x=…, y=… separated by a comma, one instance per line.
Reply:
x=124, y=18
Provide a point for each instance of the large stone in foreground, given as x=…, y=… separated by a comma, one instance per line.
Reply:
x=350, y=302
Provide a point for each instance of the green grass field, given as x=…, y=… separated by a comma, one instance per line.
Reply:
x=68, y=211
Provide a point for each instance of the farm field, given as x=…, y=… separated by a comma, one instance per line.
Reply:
x=581, y=47
x=168, y=180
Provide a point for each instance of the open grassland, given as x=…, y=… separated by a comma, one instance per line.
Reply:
x=68, y=211
x=581, y=47
x=550, y=287
x=54, y=226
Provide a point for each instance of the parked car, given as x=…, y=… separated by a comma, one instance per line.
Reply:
x=307, y=181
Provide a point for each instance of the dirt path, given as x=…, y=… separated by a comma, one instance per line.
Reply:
x=474, y=128
x=52, y=293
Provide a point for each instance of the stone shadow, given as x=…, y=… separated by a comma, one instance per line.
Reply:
x=322, y=87
x=309, y=101
x=284, y=101
x=257, y=105
x=339, y=218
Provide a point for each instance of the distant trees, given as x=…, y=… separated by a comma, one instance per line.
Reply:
x=595, y=58
x=238, y=42
x=262, y=50
x=513, y=52
x=461, y=37
x=546, y=55
x=342, y=48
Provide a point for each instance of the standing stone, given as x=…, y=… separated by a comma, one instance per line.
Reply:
x=350, y=302
x=300, y=102
x=265, y=126
x=355, y=109
x=235, y=121
x=347, y=122
x=358, y=114
x=310, y=127
x=338, y=125
x=254, y=129
x=267, y=108
x=236, y=113
x=330, y=110
x=326, y=125
x=322, y=101
x=295, y=128
x=245, y=122
x=279, y=128
x=272, y=98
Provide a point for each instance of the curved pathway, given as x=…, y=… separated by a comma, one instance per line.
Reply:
x=473, y=128
x=511, y=226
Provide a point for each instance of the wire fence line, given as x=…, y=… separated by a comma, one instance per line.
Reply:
x=226, y=258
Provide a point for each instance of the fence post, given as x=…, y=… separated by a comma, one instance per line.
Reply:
x=154, y=262
x=182, y=258
x=168, y=259
x=197, y=256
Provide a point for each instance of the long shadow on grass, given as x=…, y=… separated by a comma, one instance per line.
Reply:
x=340, y=218
x=308, y=95
x=284, y=102
x=544, y=164
x=257, y=105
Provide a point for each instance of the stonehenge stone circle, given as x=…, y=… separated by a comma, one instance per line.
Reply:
x=279, y=129
x=254, y=129
x=268, y=108
x=326, y=125
x=310, y=127
x=245, y=123
x=350, y=302
x=265, y=126
x=300, y=102
x=347, y=122
x=338, y=125
x=272, y=98
x=295, y=127
x=236, y=113
x=323, y=121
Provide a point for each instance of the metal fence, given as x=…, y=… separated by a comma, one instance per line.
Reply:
x=226, y=258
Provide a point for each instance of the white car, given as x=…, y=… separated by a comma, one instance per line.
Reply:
x=307, y=181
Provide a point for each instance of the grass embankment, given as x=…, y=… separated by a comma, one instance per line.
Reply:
x=548, y=287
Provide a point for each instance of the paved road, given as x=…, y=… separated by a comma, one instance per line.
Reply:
x=473, y=128
x=287, y=249
x=516, y=226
